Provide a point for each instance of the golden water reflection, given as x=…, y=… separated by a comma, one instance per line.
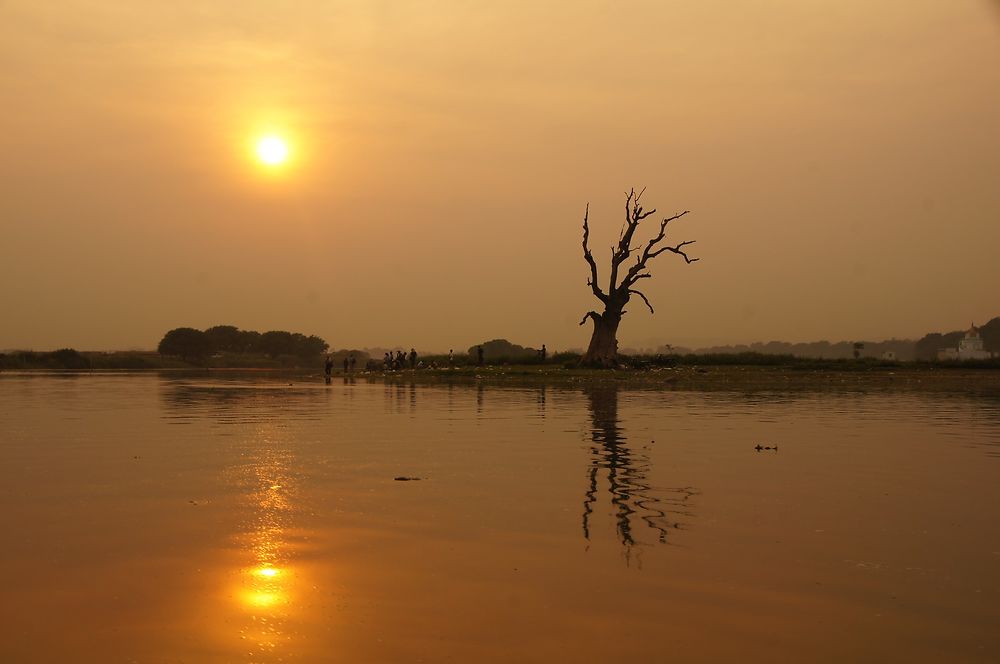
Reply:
x=257, y=606
x=266, y=577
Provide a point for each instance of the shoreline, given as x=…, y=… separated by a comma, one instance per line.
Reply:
x=687, y=377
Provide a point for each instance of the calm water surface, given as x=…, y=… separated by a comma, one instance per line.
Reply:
x=167, y=519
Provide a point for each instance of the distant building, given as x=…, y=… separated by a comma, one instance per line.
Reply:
x=969, y=348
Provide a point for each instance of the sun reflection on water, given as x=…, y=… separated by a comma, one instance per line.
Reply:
x=266, y=591
x=263, y=580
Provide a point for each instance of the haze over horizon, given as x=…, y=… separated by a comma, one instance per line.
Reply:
x=840, y=161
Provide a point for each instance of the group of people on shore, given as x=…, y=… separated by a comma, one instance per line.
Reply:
x=401, y=360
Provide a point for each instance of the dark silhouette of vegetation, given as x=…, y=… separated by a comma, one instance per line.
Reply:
x=567, y=358
x=901, y=348
x=64, y=359
x=186, y=343
x=229, y=339
x=277, y=342
x=193, y=345
x=603, y=348
x=501, y=351
x=758, y=360
x=67, y=358
x=128, y=360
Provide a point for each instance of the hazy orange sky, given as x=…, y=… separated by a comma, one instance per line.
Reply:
x=841, y=160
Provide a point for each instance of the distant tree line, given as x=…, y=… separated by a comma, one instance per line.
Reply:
x=194, y=345
x=925, y=349
x=247, y=348
x=62, y=359
x=903, y=349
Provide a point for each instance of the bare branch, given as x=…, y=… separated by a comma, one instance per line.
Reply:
x=634, y=213
x=592, y=282
x=640, y=214
x=659, y=236
x=676, y=250
x=624, y=239
x=644, y=299
x=628, y=205
x=591, y=314
x=652, y=251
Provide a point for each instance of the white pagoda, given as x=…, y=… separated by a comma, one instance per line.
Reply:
x=969, y=348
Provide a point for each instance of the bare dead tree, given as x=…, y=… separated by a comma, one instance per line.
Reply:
x=603, y=349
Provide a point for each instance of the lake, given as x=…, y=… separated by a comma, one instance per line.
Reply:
x=258, y=518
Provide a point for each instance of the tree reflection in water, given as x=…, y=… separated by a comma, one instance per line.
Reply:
x=637, y=505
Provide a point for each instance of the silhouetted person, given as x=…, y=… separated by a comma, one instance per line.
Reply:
x=542, y=353
x=386, y=361
x=400, y=359
x=328, y=366
x=479, y=352
x=347, y=364
x=413, y=359
x=451, y=358
x=353, y=362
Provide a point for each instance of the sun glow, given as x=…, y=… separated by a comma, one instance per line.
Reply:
x=272, y=150
x=262, y=599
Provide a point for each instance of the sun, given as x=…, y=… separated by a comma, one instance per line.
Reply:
x=272, y=150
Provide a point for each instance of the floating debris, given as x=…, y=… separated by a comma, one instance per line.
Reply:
x=760, y=447
x=405, y=478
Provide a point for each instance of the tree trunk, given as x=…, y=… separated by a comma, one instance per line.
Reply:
x=603, y=349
